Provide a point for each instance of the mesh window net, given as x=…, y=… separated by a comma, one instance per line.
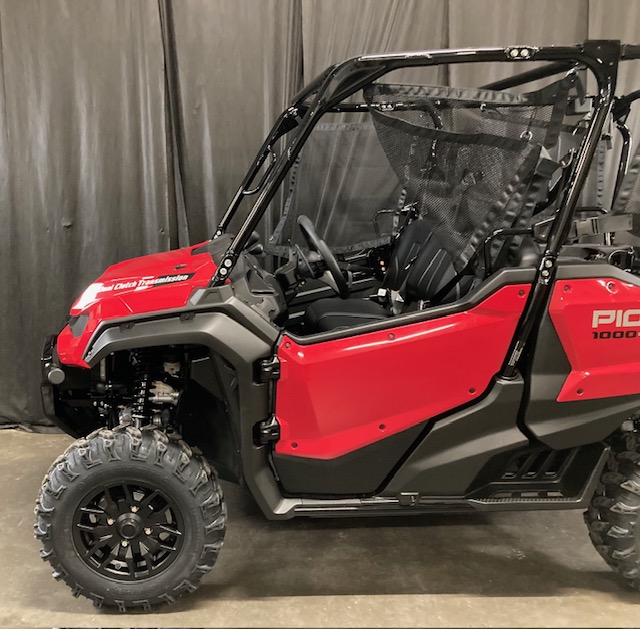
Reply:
x=470, y=161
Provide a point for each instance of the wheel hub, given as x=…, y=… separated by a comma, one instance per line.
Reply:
x=129, y=525
x=128, y=530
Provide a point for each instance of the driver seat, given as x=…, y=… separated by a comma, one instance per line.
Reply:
x=418, y=262
x=332, y=313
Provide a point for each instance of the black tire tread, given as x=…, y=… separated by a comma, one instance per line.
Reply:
x=614, y=513
x=157, y=448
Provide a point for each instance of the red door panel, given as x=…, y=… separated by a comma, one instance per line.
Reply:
x=598, y=322
x=337, y=396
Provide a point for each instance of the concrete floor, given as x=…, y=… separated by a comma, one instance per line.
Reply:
x=517, y=570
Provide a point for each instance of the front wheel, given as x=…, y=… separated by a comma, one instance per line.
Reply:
x=613, y=517
x=130, y=518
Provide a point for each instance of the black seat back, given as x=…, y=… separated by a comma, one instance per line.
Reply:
x=430, y=274
x=410, y=241
x=420, y=268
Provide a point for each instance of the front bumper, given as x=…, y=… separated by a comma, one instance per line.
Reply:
x=46, y=387
x=52, y=376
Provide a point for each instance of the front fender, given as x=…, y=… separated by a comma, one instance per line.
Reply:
x=215, y=330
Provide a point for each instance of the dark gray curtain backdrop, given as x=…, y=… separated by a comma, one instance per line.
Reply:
x=84, y=165
x=125, y=125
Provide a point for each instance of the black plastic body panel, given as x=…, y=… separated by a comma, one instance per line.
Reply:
x=589, y=460
x=574, y=268
x=538, y=472
x=208, y=417
x=455, y=450
x=220, y=300
x=358, y=473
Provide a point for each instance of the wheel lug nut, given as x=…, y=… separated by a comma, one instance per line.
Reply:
x=110, y=521
x=134, y=509
x=125, y=543
x=147, y=531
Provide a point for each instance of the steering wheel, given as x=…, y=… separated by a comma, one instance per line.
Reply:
x=320, y=247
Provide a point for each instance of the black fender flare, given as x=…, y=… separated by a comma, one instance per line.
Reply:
x=241, y=347
x=215, y=330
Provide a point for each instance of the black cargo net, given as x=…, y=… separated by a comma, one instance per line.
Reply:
x=471, y=161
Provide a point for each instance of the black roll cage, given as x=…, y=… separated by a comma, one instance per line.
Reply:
x=327, y=91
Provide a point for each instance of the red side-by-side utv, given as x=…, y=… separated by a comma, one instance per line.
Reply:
x=416, y=313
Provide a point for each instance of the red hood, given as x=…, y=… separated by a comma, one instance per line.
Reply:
x=156, y=282
x=162, y=281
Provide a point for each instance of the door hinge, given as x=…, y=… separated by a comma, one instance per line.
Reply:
x=269, y=369
x=267, y=430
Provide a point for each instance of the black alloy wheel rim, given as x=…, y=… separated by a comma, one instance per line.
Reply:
x=128, y=531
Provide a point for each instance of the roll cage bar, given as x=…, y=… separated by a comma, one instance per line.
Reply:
x=327, y=91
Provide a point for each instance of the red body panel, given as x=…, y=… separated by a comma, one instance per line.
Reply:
x=157, y=282
x=337, y=396
x=590, y=316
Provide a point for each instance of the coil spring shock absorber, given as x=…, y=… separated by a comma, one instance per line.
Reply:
x=142, y=366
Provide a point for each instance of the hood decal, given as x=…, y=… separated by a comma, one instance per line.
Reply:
x=164, y=279
x=146, y=282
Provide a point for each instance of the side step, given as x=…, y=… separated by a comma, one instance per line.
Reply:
x=515, y=491
x=546, y=478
